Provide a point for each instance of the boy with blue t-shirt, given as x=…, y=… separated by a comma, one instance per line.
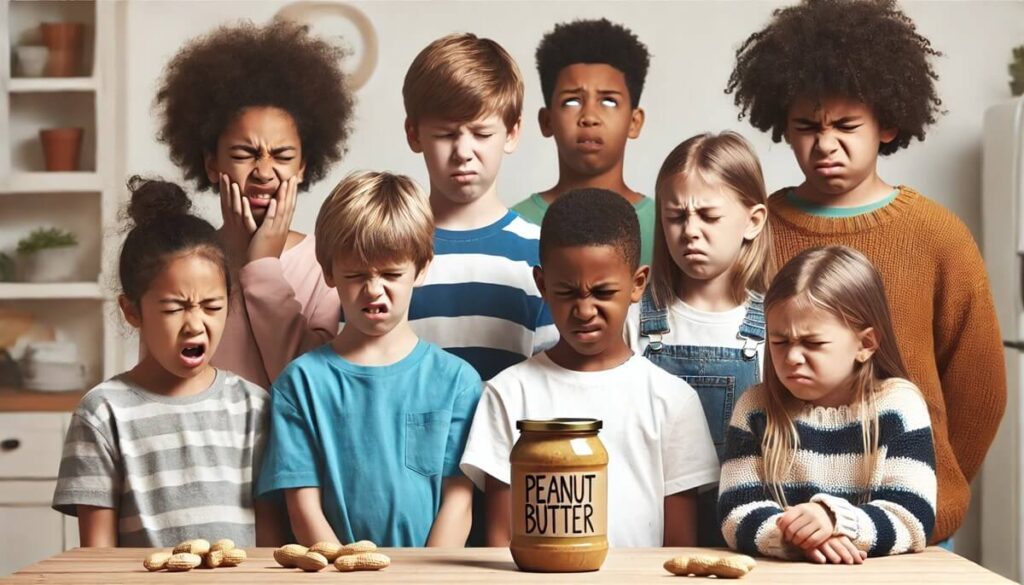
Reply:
x=463, y=101
x=367, y=431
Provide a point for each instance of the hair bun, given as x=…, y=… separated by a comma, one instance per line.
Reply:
x=155, y=199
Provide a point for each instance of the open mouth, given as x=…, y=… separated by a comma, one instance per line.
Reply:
x=376, y=311
x=193, y=353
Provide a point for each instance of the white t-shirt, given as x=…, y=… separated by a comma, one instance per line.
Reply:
x=654, y=430
x=689, y=326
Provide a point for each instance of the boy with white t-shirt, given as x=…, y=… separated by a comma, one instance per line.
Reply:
x=659, y=447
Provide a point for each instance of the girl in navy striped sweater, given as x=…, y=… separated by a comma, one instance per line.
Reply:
x=831, y=459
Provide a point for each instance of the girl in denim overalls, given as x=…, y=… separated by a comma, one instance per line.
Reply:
x=702, y=318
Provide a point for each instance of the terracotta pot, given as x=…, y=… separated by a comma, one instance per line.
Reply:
x=64, y=40
x=61, y=148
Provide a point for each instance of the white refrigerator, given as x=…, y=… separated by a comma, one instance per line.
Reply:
x=1002, y=208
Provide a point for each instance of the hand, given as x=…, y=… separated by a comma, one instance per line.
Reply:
x=270, y=239
x=239, y=225
x=836, y=550
x=806, y=525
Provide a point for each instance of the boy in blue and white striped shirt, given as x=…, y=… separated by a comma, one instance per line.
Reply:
x=463, y=100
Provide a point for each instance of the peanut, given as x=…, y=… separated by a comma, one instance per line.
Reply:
x=233, y=557
x=730, y=567
x=288, y=554
x=224, y=544
x=197, y=546
x=330, y=550
x=183, y=562
x=363, y=546
x=311, y=562
x=156, y=561
x=213, y=559
x=367, y=561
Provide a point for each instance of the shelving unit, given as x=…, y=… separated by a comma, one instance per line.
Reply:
x=84, y=202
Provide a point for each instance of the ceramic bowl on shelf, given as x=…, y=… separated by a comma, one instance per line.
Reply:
x=31, y=60
x=52, y=366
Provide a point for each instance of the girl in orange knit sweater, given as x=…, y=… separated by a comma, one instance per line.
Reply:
x=857, y=83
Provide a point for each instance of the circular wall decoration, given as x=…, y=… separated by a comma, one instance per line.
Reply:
x=337, y=21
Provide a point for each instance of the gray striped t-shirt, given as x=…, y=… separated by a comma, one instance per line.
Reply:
x=174, y=468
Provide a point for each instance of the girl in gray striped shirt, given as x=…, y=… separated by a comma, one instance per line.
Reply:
x=165, y=452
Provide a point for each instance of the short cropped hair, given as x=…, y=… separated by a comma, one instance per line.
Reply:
x=867, y=50
x=375, y=218
x=592, y=42
x=461, y=77
x=592, y=217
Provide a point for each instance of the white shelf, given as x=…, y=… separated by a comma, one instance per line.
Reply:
x=49, y=84
x=50, y=290
x=51, y=182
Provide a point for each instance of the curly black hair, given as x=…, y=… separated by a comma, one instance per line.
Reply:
x=215, y=77
x=592, y=217
x=592, y=41
x=863, y=49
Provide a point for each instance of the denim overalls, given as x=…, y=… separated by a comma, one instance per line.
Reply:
x=718, y=374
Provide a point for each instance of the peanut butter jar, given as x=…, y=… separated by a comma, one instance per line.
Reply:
x=559, y=496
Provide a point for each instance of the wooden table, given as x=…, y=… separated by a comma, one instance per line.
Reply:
x=494, y=566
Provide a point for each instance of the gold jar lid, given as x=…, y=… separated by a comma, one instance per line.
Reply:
x=563, y=425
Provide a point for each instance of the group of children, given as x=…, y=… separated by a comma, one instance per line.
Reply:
x=249, y=415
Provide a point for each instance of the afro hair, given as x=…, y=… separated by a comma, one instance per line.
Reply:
x=594, y=42
x=215, y=77
x=592, y=217
x=862, y=49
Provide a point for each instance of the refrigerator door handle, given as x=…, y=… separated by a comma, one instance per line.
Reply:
x=1018, y=345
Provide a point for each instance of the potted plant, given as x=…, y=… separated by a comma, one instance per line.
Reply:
x=48, y=255
x=1017, y=71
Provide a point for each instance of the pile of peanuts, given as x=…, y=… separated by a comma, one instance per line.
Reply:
x=358, y=556
x=728, y=567
x=194, y=553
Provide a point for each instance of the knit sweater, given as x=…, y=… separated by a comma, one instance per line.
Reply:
x=944, y=320
x=899, y=512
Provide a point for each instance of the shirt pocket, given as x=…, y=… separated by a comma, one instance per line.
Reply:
x=426, y=434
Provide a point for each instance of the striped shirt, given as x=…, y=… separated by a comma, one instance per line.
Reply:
x=479, y=300
x=174, y=468
x=898, y=513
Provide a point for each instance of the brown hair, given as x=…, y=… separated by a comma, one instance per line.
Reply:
x=377, y=218
x=461, y=77
x=725, y=159
x=843, y=282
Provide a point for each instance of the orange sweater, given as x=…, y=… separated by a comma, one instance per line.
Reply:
x=944, y=320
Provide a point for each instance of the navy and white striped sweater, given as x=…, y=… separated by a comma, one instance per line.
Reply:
x=900, y=512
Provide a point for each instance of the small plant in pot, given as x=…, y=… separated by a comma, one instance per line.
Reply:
x=48, y=255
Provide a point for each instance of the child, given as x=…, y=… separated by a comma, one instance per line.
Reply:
x=463, y=101
x=592, y=73
x=261, y=112
x=702, y=318
x=659, y=449
x=858, y=84
x=367, y=431
x=165, y=452
x=831, y=458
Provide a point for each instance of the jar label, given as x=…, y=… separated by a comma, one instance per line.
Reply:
x=563, y=505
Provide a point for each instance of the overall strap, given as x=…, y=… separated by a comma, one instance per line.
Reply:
x=653, y=321
x=752, y=329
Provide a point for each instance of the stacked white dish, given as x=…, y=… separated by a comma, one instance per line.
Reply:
x=52, y=366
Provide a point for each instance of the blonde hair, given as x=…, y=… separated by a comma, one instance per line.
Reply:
x=375, y=218
x=461, y=77
x=843, y=282
x=726, y=159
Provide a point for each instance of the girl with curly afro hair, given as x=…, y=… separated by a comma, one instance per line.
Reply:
x=844, y=81
x=260, y=113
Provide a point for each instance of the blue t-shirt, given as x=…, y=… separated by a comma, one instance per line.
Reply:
x=479, y=300
x=376, y=440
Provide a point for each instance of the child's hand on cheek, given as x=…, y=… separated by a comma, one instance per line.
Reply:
x=806, y=525
x=239, y=224
x=836, y=550
x=270, y=239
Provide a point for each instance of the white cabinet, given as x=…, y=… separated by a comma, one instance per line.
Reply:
x=30, y=451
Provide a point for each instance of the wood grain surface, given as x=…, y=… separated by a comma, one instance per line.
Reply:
x=494, y=566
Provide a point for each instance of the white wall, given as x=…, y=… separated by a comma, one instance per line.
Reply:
x=692, y=44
